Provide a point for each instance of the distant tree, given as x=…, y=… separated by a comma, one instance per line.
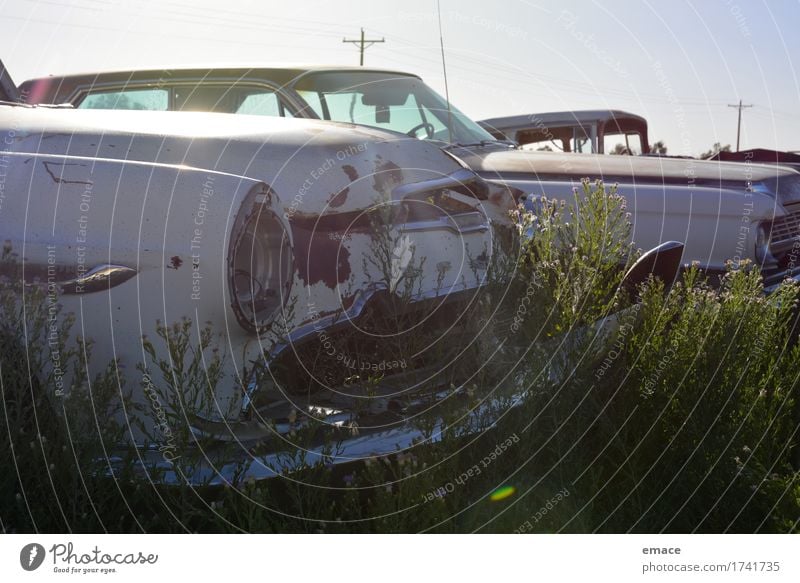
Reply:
x=620, y=149
x=715, y=149
x=658, y=148
x=545, y=148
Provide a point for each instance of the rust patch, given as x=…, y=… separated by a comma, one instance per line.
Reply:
x=320, y=256
x=347, y=301
x=388, y=175
x=337, y=200
x=351, y=172
x=175, y=262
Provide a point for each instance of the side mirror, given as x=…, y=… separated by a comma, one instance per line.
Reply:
x=663, y=262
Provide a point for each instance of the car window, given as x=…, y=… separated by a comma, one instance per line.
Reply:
x=348, y=106
x=149, y=99
x=218, y=98
x=224, y=98
x=396, y=102
x=262, y=103
x=622, y=144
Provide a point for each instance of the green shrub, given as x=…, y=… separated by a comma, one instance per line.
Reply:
x=676, y=413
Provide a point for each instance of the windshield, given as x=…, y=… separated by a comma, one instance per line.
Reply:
x=388, y=101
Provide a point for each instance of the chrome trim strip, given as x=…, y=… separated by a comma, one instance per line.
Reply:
x=455, y=179
x=99, y=278
x=449, y=222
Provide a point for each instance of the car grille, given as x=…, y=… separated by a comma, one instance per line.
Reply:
x=786, y=228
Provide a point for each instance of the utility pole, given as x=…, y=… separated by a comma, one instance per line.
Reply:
x=740, y=107
x=363, y=44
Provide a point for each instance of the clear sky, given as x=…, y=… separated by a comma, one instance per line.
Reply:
x=678, y=63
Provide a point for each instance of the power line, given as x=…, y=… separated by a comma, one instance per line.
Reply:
x=362, y=41
x=740, y=107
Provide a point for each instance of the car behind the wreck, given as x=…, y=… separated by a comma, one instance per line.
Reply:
x=322, y=256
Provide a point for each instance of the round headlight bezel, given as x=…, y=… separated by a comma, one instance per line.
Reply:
x=763, y=242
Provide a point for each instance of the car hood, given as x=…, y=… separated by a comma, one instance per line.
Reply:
x=311, y=166
x=521, y=164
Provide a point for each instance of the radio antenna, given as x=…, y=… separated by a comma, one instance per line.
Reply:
x=444, y=69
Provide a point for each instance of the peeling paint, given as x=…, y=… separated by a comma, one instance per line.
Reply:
x=388, y=175
x=175, y=262
x=337, y=200
x=351, y=172
x=320, y=259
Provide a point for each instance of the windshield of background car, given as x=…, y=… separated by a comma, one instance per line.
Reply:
x=388, y=101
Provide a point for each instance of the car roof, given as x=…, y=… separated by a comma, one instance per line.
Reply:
x=559, y=118
x=280, y=74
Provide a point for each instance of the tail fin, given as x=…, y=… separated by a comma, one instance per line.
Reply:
x=8, y=89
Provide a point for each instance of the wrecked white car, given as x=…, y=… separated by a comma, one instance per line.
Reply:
x=721, y=211
x=322, y=256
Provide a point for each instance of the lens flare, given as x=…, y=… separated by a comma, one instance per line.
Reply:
x=502, y=493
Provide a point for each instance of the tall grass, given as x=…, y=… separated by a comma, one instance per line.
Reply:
x=674, y=411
